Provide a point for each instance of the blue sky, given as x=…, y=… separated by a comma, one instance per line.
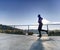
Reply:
x=23, y=12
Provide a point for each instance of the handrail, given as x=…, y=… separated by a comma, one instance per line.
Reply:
x=33, y=25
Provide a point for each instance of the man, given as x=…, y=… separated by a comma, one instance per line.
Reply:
x=40, y=24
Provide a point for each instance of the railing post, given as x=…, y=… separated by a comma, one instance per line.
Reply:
x=14, y=28
x=47, y=28
x=28, y=28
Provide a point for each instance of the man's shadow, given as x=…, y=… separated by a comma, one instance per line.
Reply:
x=37, y=45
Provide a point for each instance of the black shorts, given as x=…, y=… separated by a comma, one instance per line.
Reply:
x=40, y=28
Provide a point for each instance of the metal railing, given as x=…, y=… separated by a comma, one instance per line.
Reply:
x=28, y=28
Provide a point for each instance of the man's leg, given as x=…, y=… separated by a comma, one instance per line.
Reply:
x=40, y=34
x=39, y=30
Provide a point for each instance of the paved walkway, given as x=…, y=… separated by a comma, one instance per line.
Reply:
x=23, y=42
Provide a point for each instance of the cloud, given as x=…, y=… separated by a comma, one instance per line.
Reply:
x=55, y=22
x=45, y=21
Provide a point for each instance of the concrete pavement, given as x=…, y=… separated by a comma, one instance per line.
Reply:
x=23, y=42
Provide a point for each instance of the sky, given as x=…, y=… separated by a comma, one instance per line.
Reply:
x=25, y=12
